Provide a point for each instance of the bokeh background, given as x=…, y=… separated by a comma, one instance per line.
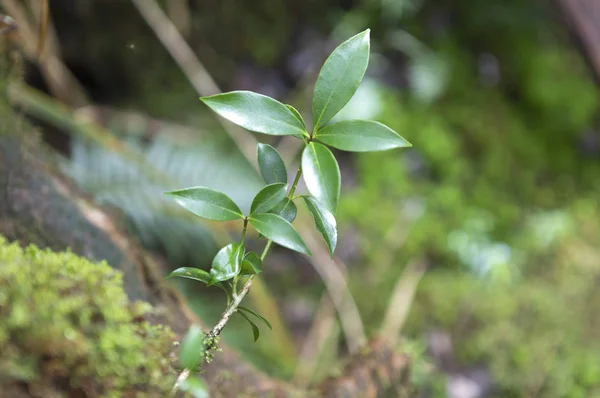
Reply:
x=479, y=245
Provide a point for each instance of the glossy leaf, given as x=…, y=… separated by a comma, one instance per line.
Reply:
x=286, y=209
x=268, y=197
x=195, y=386
x=324, y=221
x=339, y=77
x=252, y=264
x=192, y=273
x=279, y=231
x=255, y=112
x=227, y=263
x=255, y=329
x=263, y=319
x=271, y=165
x=322, y=175
x=361, y=136
x=207, y=203
x=192, y=348
x=297, y=114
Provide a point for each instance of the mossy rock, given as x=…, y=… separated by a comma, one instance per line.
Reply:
x=67, y=328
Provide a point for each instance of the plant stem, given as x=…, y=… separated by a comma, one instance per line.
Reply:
x=237, y=298
x=295, y=184
x=266, y=250
x=244, y=231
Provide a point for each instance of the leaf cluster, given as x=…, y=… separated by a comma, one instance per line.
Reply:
x=273, y=208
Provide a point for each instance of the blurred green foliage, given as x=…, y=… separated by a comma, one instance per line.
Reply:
x=500, y=195
x=66, y=326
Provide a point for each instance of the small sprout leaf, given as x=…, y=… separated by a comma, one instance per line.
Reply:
x=227, y=263
x=263, y=319
x=268, y=197
x=252, y=264
x=286, y=209
x=271, y=164
x=255, y=330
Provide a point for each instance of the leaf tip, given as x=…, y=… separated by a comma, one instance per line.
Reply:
x=207, y=99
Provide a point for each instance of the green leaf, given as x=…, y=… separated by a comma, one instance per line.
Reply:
x=286, y=209
x=279, y=231
x=207, y=203
x=298, y=115
x=227, y=263
x=339, y=78
x=361, y=136
x=252, y=264
x=192, y=348
x=192, y=273
x=255, y=330
x=268, y=197
x=271, y=165
x=196, y=387
x=325, y=222
x=322, y=175
x=255, y=112
x=257, y=315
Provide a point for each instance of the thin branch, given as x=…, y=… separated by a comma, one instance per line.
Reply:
x=280, y=338
x=402, y=298
x=315, y=342
x=179, y=13
x=406, y=286
x=61, y=82
x=180, y=380
x=196, y=73
x=235, y=303
x=43, y=27
x=335, y=283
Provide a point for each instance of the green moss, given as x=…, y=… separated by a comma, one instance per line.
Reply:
x=66, y=325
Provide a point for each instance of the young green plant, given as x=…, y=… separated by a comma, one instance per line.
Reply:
x=274, y=208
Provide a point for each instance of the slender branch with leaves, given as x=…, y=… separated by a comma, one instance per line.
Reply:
x=274, y=208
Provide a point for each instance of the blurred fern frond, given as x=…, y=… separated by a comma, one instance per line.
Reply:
x=184, y=156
